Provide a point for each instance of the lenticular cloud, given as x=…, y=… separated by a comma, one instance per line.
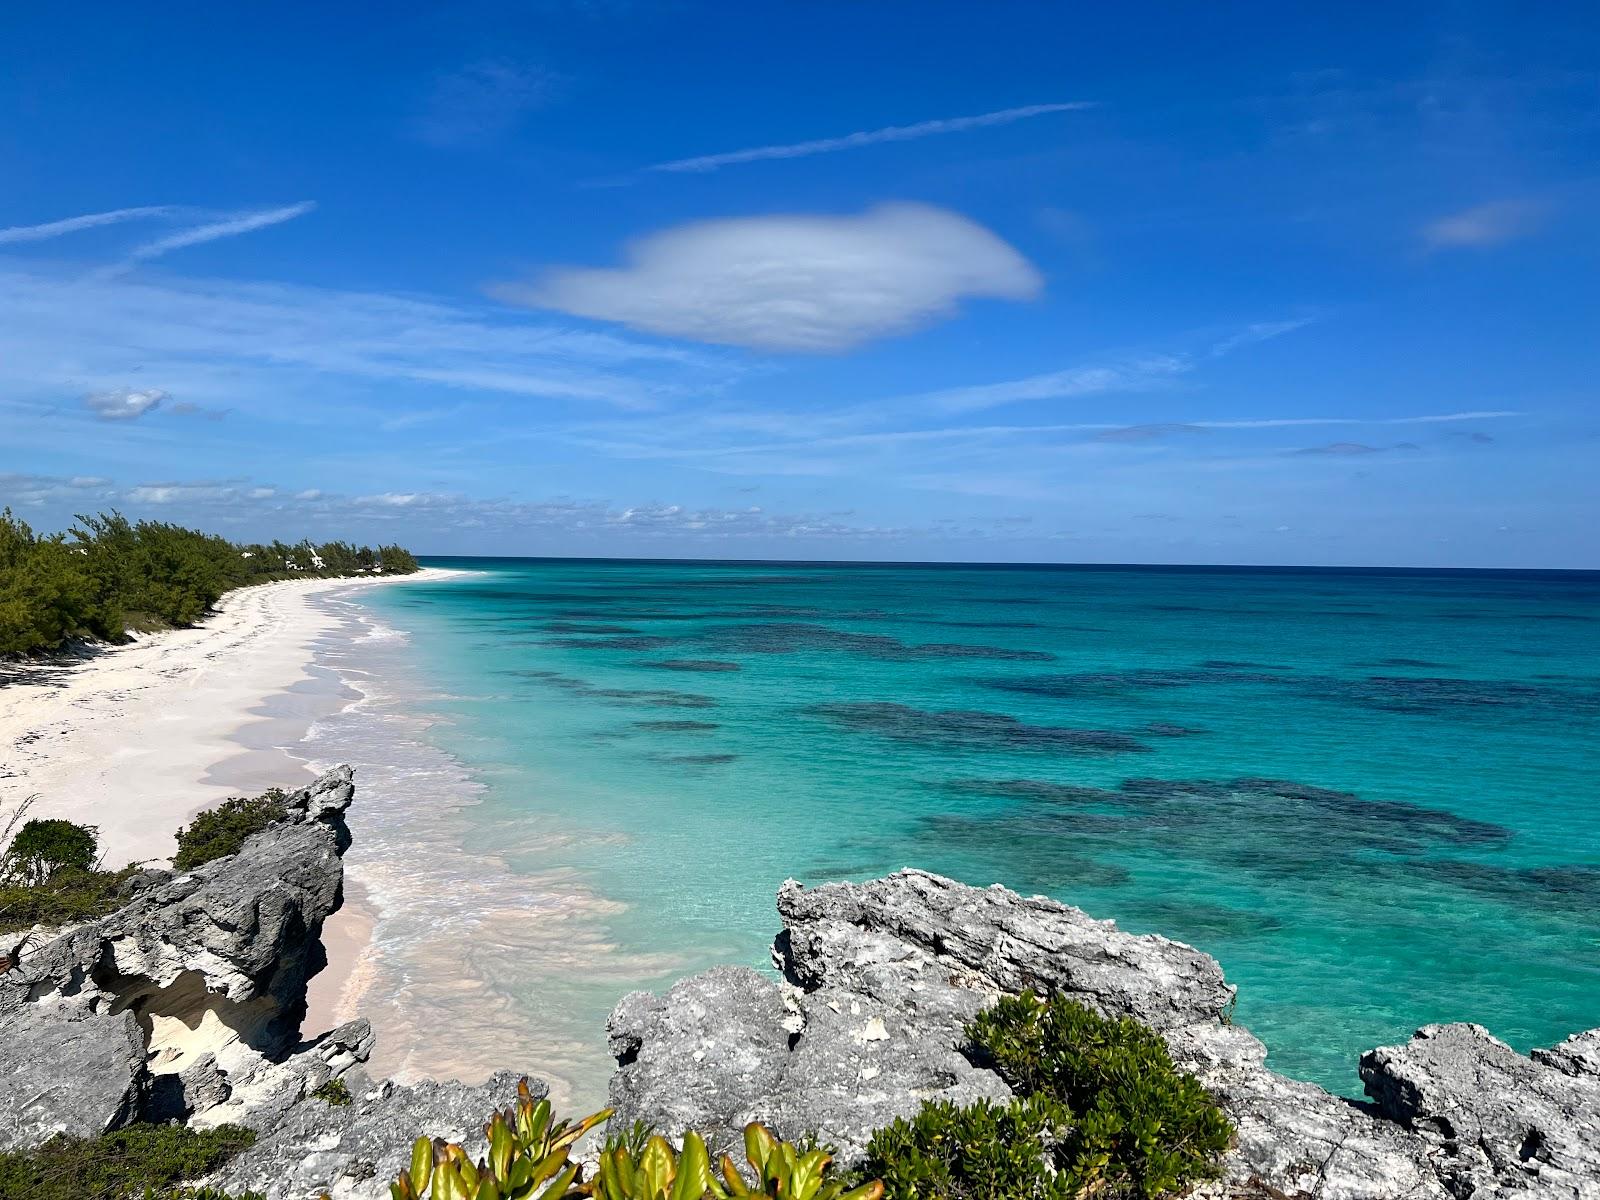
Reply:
x=808, y=284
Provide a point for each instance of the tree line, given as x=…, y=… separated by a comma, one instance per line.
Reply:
x=107, y=575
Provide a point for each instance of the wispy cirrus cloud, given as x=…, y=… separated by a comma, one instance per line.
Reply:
x=298, y=351
x=1138, y=375
x=480, y=103
x=1134, y=374
x=1352, y=449
x=212, y=226
x=1260, y=331
x=232, y=226
x=55, y=229
x=1483, y=225
x=870, y=137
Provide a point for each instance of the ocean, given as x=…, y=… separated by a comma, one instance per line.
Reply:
x=1371, y=794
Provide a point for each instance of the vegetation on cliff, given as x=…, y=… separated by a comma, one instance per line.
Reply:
x=141, y=1162
x=1101, y=1111
x=49, y=874
x=220, y=831
x=108, y=575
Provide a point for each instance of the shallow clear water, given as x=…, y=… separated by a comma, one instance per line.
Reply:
x=1372, y=795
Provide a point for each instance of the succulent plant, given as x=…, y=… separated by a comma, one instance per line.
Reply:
x=527, y=1158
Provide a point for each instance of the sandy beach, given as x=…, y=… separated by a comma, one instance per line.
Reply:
x=136, y=739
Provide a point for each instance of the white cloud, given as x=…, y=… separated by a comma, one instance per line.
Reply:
x=798, y=283
x=850, y=141
x=124, y=404
x=1485, y=225
x=230, y=226
x=53, y=229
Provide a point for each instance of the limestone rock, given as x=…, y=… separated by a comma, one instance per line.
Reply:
x=68, y=1071
x=207, y=968
x=886, y=975
x=352, y=1152
x=1498, y=1121
x=845, y=934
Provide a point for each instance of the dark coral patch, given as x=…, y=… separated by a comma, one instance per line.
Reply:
x=694, y=760
x=642, y=641
x=962, y=728
x=1573, y=888
x=648, y=697
x=794, y=637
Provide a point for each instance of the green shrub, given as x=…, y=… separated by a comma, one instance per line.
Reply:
x=127, y=1164
x=67, y=897
x=334, y=1093
x=221, y=831
x=1142, y=1128
x=1101, y=1112
x=947, y=1152
x=44, y=846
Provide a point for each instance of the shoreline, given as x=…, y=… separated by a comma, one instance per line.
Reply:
x=138, y=738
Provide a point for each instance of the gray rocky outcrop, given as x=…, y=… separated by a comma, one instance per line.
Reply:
x=186, y=1002
x=882, y=977
x=351, y=1152
x=63, y=1072
x=1496, y=1122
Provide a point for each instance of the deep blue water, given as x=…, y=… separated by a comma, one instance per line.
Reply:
x=1371, y=794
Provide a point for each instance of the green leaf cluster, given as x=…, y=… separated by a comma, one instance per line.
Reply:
x=1101, y=1111
x=127, y=1164
x=335, y=1094
x=47, y=876
x=66, y=898
x=107, y=575
x=221, y=831
x=44, y=846
x=640, y=1167
x=529, y=1159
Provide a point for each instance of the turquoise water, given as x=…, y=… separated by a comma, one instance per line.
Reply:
x=1371, y=795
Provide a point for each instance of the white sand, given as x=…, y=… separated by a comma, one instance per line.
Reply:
x=139, y=738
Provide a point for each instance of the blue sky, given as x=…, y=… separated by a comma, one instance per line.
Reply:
x=1159, y=283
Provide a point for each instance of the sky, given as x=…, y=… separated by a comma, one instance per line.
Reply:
x=1010, y=281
